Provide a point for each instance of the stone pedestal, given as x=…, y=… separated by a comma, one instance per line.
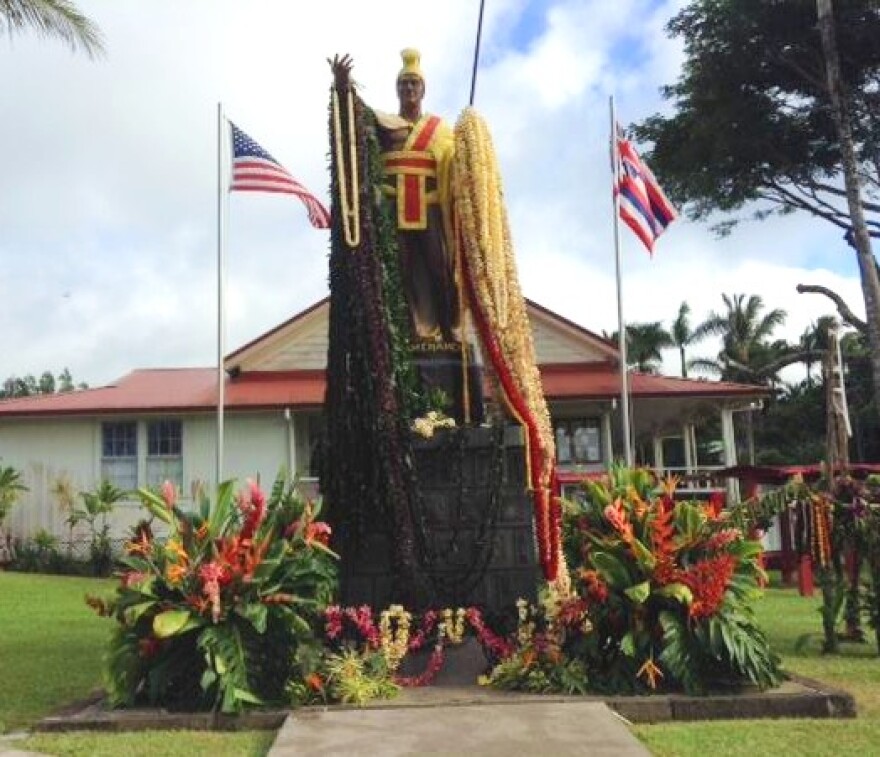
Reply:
x=474, y=521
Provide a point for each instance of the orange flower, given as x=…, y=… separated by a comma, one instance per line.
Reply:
x=176, y=573
x=203, y=531
x=318, y=532
x=650, y=672
x=529, y=657
x=315, y=682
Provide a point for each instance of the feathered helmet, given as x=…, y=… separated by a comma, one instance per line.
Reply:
x=411, y=59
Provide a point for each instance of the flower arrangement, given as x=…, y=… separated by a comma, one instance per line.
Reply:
x=213, y=615
x=668, y=587
x=355, y=630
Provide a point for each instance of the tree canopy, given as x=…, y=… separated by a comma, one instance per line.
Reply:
x=52, y=18
x=752, y=119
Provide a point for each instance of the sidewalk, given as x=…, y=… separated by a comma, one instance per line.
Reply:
x=503, y=728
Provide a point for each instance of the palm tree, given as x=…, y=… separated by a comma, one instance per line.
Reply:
x=644, y=341
x=745, y=354
x=682, y=336
x=52, y=18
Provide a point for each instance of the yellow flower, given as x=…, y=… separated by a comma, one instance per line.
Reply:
x=176, y=550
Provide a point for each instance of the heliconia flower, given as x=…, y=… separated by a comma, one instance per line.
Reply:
x=141, y=545
x=708, y=580
x=175, y=550
x=169, y=494
x=176, y=573
x=650, y=672
x=315, y=682
x=617, y=517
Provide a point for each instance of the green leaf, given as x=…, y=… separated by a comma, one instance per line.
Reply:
x=678, y=592
x=646, y=558
x=639, y=593
x=171, y=623
x=134, y=612
x=612, y=569
x=255, y=613
x=156, y=505
x=628, y=645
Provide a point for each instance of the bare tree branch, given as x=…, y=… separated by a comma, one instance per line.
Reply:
x=846, y=314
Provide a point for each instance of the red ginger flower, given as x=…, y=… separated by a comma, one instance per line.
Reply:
x=169, y=494
x=253, y=507
x=212, y=574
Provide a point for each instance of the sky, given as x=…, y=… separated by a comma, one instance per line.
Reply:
x=108, y=188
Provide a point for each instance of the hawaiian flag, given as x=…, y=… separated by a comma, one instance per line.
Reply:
x=254, y=170
x=643, y=205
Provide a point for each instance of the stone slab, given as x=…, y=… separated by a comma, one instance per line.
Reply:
x=533, y=727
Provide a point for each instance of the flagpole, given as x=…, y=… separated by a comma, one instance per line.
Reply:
x=222, y=130
x=621, y=325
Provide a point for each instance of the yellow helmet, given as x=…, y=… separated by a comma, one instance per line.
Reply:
x=411, y=58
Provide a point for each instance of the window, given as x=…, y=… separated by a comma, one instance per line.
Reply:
x=119, y=454
x=164, y=453
x=578, y=441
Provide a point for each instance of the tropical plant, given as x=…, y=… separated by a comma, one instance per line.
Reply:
x=644, y=343
x=52, y=18
x=96, y=506
x=682, y=336
x=668, y=587
x=213, y=616
x=11, y=489
x=746, y=354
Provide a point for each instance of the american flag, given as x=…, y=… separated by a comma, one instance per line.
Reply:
x=254, y=170
x=643, y=205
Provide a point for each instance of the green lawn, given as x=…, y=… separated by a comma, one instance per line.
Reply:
x=51, y=646
x=788, y=618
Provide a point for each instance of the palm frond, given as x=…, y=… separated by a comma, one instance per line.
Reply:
x=53, y=18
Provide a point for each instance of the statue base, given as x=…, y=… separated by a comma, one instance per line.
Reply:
x=475, y=539
x=441, y=367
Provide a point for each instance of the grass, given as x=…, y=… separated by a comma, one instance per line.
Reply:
x=51, y=645
x=794, y=626
x=51, y=649
x=153, y=743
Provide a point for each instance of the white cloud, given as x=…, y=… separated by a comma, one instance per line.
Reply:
x=109, y=182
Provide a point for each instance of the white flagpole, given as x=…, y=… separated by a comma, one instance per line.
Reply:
x=222, y=199
x=621, y=325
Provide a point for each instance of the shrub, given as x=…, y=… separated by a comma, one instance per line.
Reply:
x=213, y=617
x=11, y=489
x=667, y=587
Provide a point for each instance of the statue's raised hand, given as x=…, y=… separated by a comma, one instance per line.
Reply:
x=341, y=68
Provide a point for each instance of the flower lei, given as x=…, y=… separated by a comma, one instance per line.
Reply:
x=488, y=270
x=393, y=635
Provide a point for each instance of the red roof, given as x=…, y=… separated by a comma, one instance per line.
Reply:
x=195, y=390
x=576, y=381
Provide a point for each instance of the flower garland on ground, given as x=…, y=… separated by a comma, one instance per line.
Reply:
x=393, y=635
x=488, y=267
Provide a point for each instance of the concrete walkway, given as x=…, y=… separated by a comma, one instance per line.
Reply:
x=527, y=727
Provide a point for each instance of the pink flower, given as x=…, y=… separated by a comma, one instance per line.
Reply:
x=211, y=574
x=169, y=494
x=617, y=517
